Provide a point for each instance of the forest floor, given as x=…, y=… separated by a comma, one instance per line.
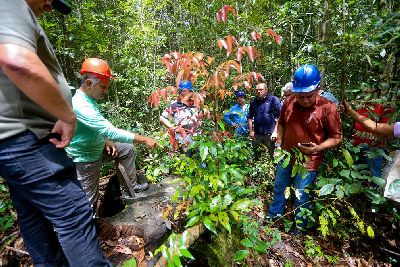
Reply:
x=307, y=249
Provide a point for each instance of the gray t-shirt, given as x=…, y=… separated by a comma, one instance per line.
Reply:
x=19, y=26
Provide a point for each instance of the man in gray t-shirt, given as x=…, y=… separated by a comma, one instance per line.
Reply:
x=36, y=124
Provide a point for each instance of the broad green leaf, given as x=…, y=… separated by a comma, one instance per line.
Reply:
x=193, y=221
x=348, y=157
x=215, y=204
x=261, y=247
x=286, y=162
x=335, y=162
x=370, y=232
x=213, y=150
x=339, y=191
x=196, y=190
x=235, y=215
x=209, y=224
x=326, y=189
x=130, y=263
x=350, y=189
x=227, y=201
x=345, y=173
x=246, y=242
x=378, y=181
x=221, y=125
x=279, y=157
x=224, y=220
x=185, y=253
x=203, y=152
x=240, y=255
x=294, y=170
x=242, y=205
x=177, y=261
x=213, y=217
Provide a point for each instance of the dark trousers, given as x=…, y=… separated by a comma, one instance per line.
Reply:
x=262, y=141
x=55, y=217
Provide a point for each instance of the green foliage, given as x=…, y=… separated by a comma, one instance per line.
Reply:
x=343, y=180
x=130, y=263
x=176, y=249
x=213, y=179
x=7, y=220
x=315, y=253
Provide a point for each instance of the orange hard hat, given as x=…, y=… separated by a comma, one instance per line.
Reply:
x=96, y=66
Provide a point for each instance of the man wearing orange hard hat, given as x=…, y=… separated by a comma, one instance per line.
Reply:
x=96, y=140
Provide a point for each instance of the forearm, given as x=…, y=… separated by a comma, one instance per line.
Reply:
x=367, y=123
x=24, y=68
x=250, y=124
x=166, y=122
x=381, y=129
x=280, y=131
x=329, y=143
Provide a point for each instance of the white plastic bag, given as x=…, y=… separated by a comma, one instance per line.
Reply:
x=392, y=177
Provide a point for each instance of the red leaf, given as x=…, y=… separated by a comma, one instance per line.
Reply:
x=163, y=94
x=196, y=100
x=252, y=52
x=179, y=78
x=171, y=133
x=216, y=79
x=166, y=59
x=247, y=85
x=171, y=89
x=219, y=15
x=182, y=132
x=256, y=36
x=223, y=13
x=239, y=53
x=222, y=43
x=274, y=35
x=154, y=99
x=176, y=55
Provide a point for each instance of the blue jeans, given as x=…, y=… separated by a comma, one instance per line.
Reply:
x=375, y=165
x=55, y=217
x=283, y=179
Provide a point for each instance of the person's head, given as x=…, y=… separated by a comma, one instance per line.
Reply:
x=287, y=89
x=261, y=90
x=306, y=81
x=185, y=87
x=40, y=6
x=96, y=75
x=240, y=97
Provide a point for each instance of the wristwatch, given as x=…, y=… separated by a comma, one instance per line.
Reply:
x=278, y=145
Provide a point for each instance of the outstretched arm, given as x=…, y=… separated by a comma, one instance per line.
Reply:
x=381, y=129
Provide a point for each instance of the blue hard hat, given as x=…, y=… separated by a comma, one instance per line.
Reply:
x=240, y=94
x=306, y=78
x=186, y=84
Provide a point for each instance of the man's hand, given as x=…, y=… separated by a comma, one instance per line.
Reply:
x=251, y=134
x=150, y=142
x=111, y=148
x=311, y=148
x=235, y=125
x=274, y=135
x=66, y=130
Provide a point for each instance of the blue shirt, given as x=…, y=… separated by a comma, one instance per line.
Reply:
x=264, y=112
x=237, y=114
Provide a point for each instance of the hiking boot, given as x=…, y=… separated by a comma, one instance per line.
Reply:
x=141, y=187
